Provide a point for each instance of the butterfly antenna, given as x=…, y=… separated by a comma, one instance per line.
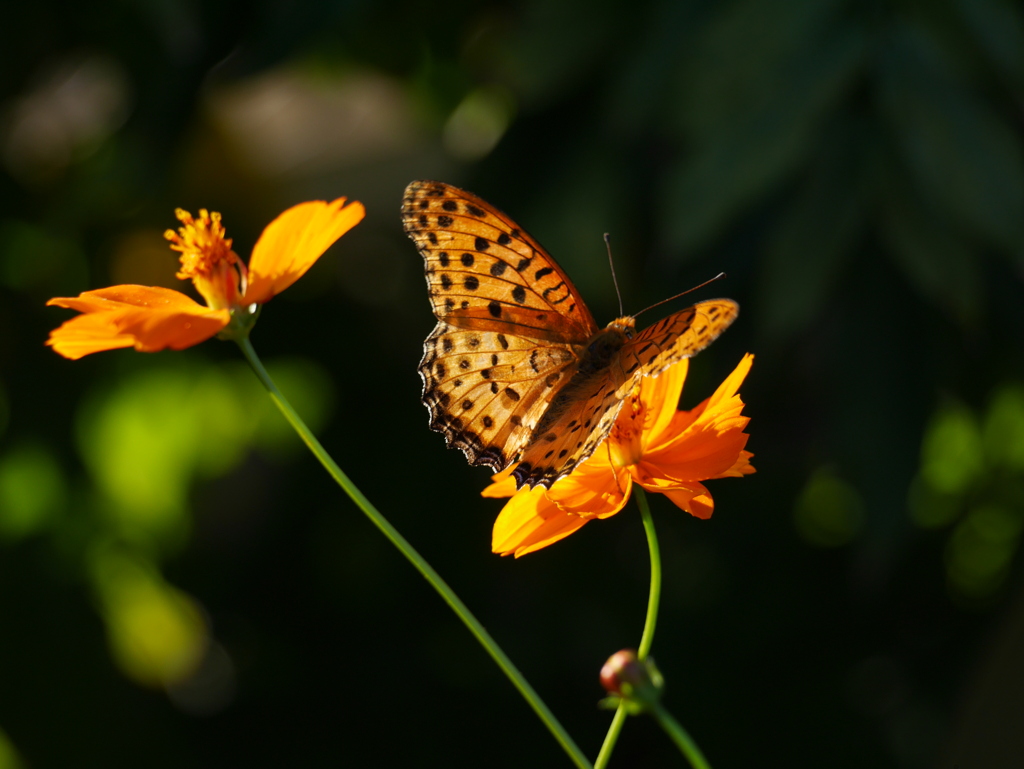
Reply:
x=611, y=263
x=681, y=293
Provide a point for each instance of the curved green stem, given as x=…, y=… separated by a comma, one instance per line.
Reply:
x=653, y=599
x=416, y=560
x=680, y=737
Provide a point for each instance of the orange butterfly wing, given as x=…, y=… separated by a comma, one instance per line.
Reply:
x=511, y=323
x=681, y=335
x=516, y=370
x=582, y=415
x=485, y=272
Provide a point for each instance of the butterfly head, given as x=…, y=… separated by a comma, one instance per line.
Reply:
x=603, y=346
x=626, y=326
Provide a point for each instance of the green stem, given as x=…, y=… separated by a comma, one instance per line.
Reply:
x=653, y=599
x=612, y=737
x=680, y=737
x=416, y=560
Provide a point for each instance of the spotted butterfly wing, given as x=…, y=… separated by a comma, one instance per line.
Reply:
x=584, y=411
x=516, y=370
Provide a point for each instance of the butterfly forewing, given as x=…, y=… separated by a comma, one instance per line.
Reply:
x=681, y=335
x=483, y=271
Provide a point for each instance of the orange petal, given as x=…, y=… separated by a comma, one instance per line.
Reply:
x=294, y=241
x=148, y=318
x=502, y=485
x=529, y=522
x=704, y=454
x=660, y=397
x=691, y=497
x=710, y=445
x=740, y=468
x=732, y=383
x=594, y=489
x=723, y=404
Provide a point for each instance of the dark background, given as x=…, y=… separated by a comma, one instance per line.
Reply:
x=857, y=168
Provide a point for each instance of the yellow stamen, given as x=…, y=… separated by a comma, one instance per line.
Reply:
x=207, y=258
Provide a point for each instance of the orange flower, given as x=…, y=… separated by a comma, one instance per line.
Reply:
x=652, y=444
x=150, y=318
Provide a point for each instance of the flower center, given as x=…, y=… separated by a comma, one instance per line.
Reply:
x=207, y=259
x=624, y=441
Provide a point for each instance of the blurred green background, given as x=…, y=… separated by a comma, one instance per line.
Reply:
x=182, y=585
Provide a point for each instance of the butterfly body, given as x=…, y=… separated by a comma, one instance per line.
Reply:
x=516, y=370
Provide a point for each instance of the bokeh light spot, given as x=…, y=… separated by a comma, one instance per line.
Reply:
x=32, y=491
x=476, y=126
x=829, y=511
x=951, y=451
x=157, y=634
x=147, y=439
x=980, y=550
x=73, y=107
x=1003, y=431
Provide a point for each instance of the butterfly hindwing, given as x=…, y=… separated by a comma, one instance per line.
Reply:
x=487, y=391
x=566, y=440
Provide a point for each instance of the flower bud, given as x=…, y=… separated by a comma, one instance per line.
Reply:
x=626, y=676
x=622, y=669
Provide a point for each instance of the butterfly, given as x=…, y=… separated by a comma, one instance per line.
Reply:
x=516, y=370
